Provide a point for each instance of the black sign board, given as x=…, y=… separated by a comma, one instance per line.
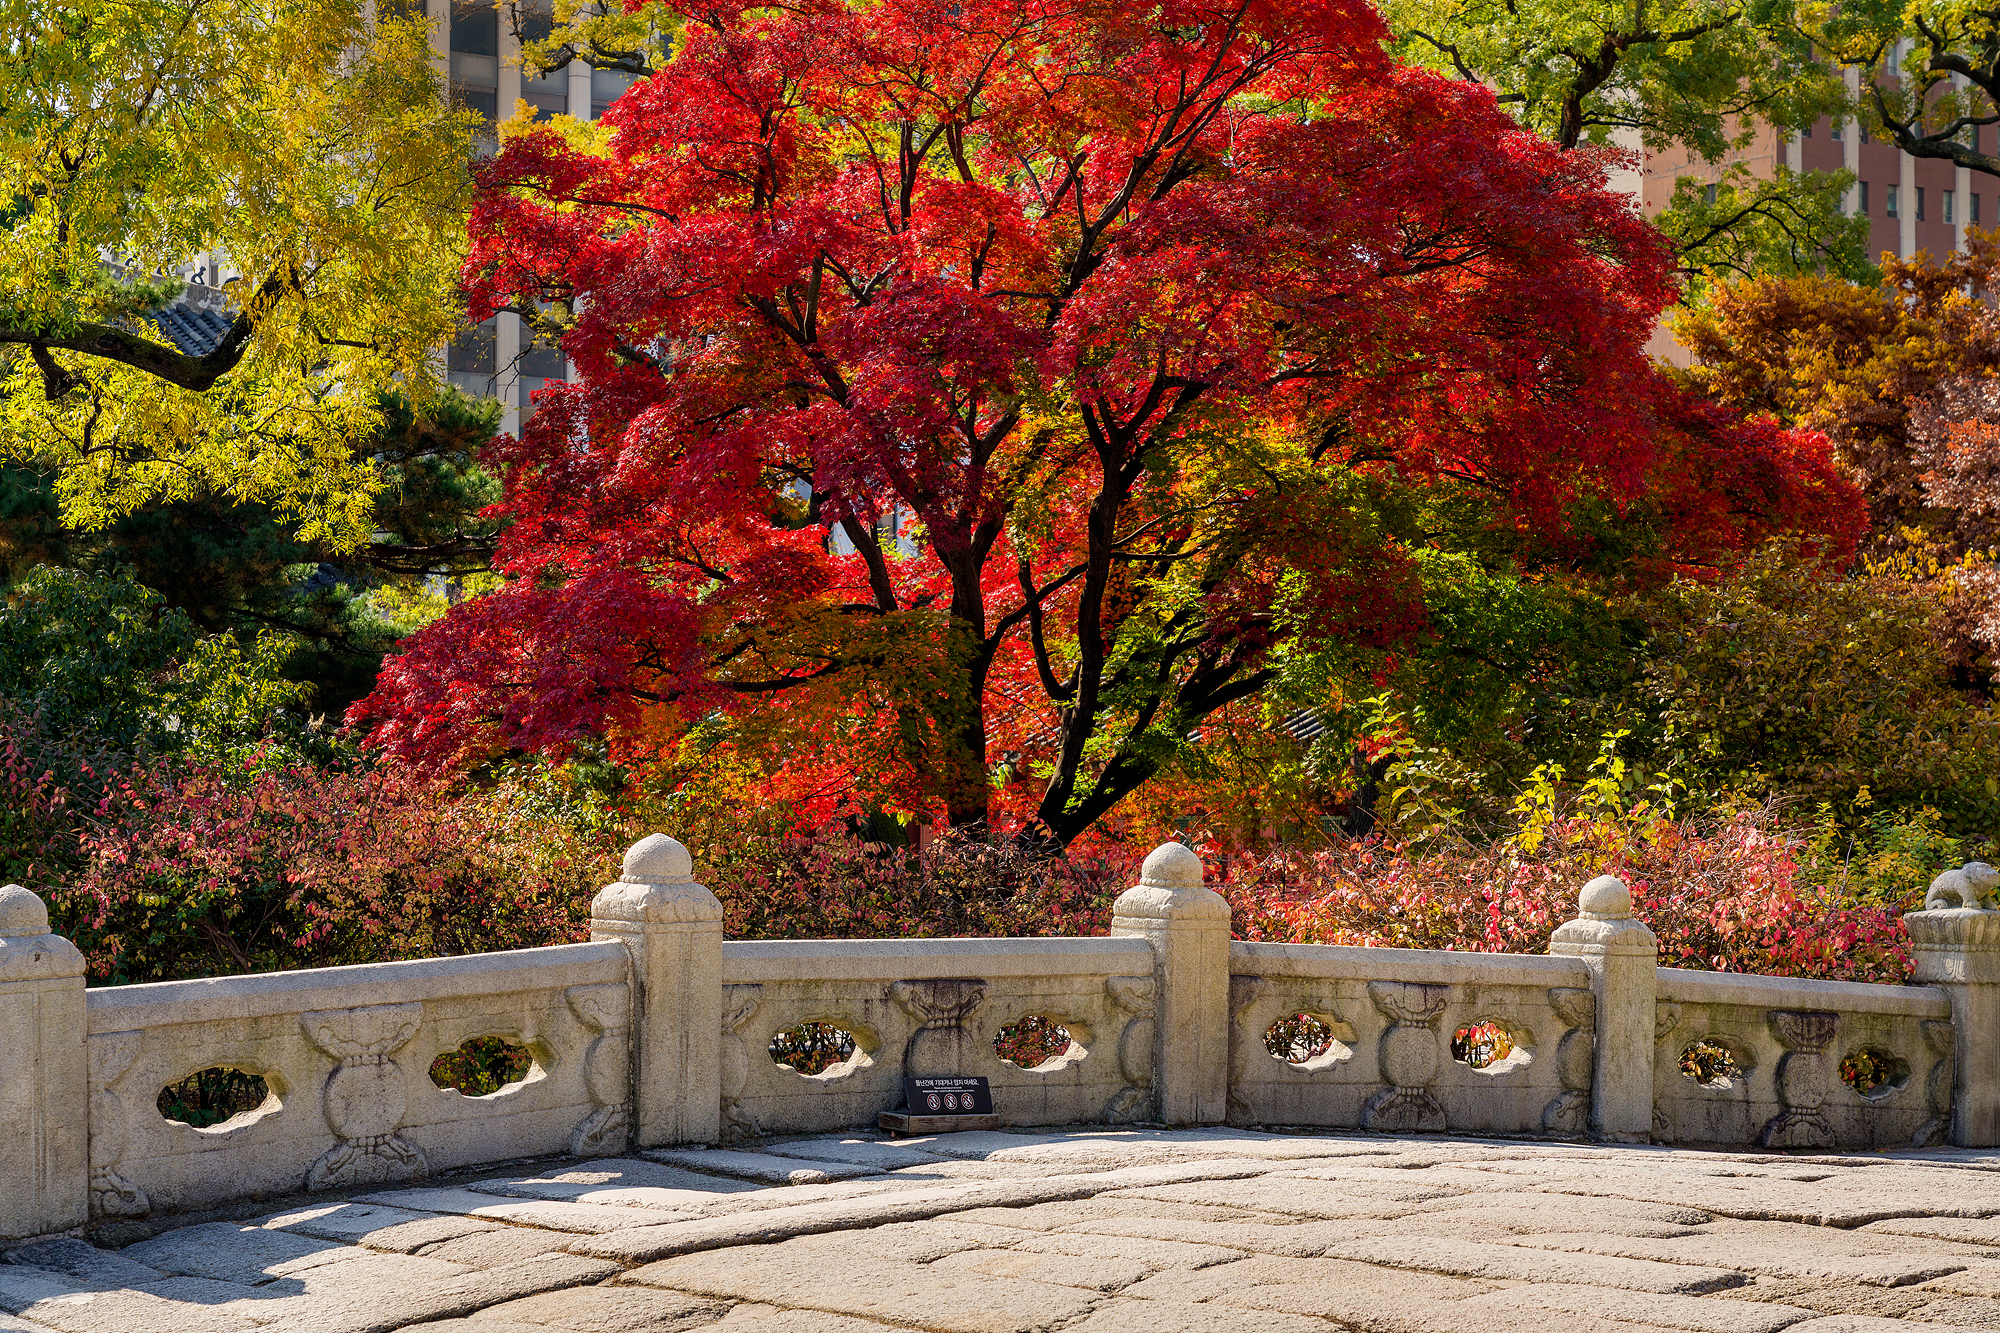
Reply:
x=948, y=1096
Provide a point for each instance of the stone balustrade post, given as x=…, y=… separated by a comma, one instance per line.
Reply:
x=1187, y=924
x=673, y=928
x=44, y=1074
x=1623, y=956
x=1956, y=940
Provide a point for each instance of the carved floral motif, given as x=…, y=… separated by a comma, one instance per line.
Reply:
x=1943, y=1041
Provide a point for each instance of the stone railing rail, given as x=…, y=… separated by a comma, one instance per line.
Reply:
x=661, y=1032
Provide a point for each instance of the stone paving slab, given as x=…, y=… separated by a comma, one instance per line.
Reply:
x=1086, y=1231
x=764, y=1167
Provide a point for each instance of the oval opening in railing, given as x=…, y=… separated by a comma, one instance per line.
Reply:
x=482, y=1066
x=817, y=1050
x=1875, y=1073
x=1711, y=1064
x=1489, y=1047
x=1037, y=1042
x=1308, y=1041
x=213, y=1097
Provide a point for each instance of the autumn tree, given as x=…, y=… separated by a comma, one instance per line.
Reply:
x=297, y=154
x=987, y=393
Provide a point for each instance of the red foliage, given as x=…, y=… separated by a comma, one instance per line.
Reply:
x=211, y=873
x=1727, y=900
x=1116, y=313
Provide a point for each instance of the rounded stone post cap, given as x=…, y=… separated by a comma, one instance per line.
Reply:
x=1171, y=865
x=1170, y=888
x=21, y=913
x=656, y=859
x=1605, y=899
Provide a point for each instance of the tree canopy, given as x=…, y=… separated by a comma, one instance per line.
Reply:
x=290, y=150
x=983, y=389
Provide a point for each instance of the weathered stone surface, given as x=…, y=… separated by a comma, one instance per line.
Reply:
x=377, y=1226
x=903, y=1206
x=1431, y=1236
x=1302, y=1240
x=1699, y=1314
x=764, y=1167
x=21, y=1286
x=1979, y=1277
x=606, y=1310
x=1173, y=1317
x=1961, y=1230
x=492, y=1249
x=228, y=1252
x=587, y=1218
x=1097, y=1275
x=80, y=1259
x=946, y=1300
x=1152, y=1253
x=1465, y=1259
x=859, y=1152
x=1869, y=1323
x=1347, y=1286
x=131, y=1311
x=376, y=1308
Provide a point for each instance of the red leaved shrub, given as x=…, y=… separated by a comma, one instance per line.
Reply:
x=1727, y=899
x=212, y=872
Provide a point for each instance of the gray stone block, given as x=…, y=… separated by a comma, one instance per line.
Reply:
x=929, y=1297
x=81, y=1259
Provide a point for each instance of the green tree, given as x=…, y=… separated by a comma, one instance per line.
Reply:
x=293, y=143
x=1683, y=73
x=240, y=569
x=105, y=662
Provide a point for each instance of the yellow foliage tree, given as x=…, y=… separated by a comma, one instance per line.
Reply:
x=314, y=152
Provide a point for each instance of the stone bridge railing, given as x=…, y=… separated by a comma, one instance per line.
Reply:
x=661, y=1032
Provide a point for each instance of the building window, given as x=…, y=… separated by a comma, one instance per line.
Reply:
x=541, y=366
x=546, y=90
x=1833, y=130
x=1950, y=213
x=1973, y=216
x=1708, y=196
x=472, y=358
x=606, y=87
x=475, y=63
x=1864, y=196
x=1920, y=203
x=1890, y=203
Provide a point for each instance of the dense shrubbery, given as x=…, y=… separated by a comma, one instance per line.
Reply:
x=1745, y=896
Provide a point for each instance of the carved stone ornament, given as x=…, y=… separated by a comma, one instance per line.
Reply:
x=605, y=1009
x=940, y=1046
x=1970, y=886
x=1666, y=1017
x=111, y=1194
x=1803, y=1079
x=1245, y=992
x=364, y=1097
x=1943, y=1041
x=1133, y=996
x=1409, y=1058
x=739, y=1004
x=1569, y=1112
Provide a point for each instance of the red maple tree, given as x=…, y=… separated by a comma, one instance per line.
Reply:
x=1014, y=379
